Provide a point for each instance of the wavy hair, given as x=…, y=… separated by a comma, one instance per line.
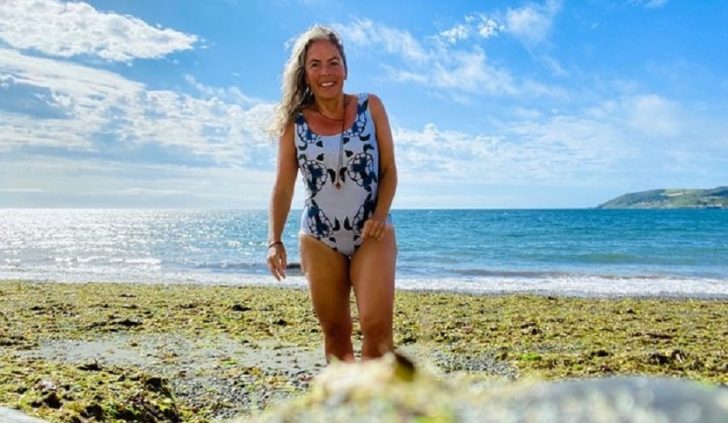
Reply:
x=295, y=93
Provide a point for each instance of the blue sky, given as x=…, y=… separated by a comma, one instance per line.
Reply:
x=493, y=104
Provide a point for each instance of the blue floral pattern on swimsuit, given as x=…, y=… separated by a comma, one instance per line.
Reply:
x=336, y=215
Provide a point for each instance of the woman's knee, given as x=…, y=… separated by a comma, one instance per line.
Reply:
x=336, y=328
x=376, y=326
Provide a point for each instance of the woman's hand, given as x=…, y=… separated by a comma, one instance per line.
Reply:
x=374, y=228
x=277, y=260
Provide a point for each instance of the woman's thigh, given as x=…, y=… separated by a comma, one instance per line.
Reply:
x=327, y=273
x=372, y=276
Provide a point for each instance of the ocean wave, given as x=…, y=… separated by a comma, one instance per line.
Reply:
x=226, y=265
x=508, y=273
x=255, y=268
x=153, y=262
x=577, y=285
x=573, y=275
x=564, y=284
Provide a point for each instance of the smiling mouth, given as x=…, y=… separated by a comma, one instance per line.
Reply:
x=327, y=84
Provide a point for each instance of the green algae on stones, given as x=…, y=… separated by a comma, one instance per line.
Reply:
x=219, y=351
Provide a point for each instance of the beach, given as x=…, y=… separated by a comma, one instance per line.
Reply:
x=195, y=353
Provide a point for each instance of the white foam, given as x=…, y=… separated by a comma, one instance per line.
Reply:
x=577, y=285
x=562, y=285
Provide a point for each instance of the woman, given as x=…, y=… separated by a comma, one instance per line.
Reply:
x=342, y=144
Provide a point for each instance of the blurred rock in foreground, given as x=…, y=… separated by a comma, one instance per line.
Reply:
x=8, y=415
x=392, y=390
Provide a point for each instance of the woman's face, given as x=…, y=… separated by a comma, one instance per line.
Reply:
x=325, y=73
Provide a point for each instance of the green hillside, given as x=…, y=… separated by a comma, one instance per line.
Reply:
x=671, y=199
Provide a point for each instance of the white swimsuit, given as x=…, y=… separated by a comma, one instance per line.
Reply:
x=341, y=175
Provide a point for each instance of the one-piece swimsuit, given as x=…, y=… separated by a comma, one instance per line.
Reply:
x=341, y=174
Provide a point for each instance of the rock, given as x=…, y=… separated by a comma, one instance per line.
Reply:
x=93, y=411
x=607, y=399
x=158, y=384
x=8, y=415
x=129, y=323
x=51, y=400
x=240, y=307
x=90, y=367
x=394, y=389
x=46, y=385
x=599, y=353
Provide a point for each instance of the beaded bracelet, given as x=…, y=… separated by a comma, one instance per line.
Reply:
x=275, y=243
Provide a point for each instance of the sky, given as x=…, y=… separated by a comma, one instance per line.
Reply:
x=493, y=104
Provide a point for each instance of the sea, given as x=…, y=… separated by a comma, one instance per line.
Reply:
x=580, y=252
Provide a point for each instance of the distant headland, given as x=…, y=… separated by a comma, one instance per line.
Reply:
x=716, y=198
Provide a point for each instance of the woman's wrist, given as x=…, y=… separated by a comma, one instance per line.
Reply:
x=274, y=243
x=380, y=215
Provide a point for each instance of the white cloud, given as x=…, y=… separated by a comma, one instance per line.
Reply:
x=22, y=190
x=469, y=71
x=439, y=65
x=367, y=33
x=650, y=117
x=477, y=24
x=458, y=32
x=553, y=65
x=524, y=113
x=624, y=141
x=655, y=115
x=76, y=135
x=547, y=150
x=488, y=27
x=444, y=61
x=532, y=23
x=650, y=4
x=152, y=191
x=405, y=76
x=75, y=91
x=91, y=105
x=68, y=29
x=229, y=94
x=62, y=182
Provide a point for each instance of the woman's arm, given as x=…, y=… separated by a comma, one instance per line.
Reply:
x=280, y=202
x=374, y=227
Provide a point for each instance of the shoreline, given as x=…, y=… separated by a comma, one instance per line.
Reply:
x=201, y=352
x=461, y=286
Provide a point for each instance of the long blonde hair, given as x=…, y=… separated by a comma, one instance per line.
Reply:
x=295, y=93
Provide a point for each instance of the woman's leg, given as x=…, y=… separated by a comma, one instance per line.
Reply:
x=327, y=272
x=372, y=276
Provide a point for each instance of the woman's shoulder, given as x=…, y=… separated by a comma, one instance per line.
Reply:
x=373, y=102
x=304, y=114
x=370, y=97
x=305, y=109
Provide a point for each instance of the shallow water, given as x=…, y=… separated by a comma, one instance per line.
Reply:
x=581, y=252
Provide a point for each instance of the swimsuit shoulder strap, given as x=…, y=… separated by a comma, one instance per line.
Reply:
x=362, y=98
